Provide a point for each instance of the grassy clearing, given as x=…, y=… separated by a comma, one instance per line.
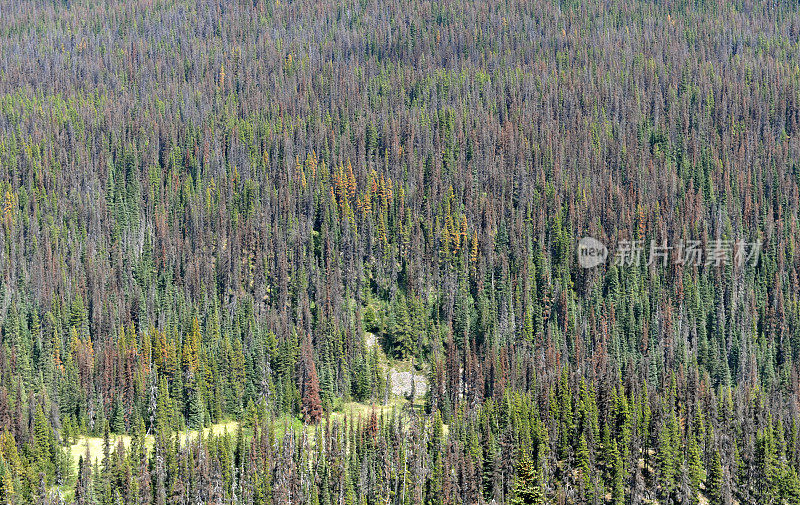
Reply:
x=351, y=410
x=95, y=444
x=354, y=409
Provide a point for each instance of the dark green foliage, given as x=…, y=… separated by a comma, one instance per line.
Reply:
x=527, y=485
x=714, y=481
x=402, y=340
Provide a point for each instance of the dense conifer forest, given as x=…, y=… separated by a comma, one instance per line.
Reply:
x=316, y=252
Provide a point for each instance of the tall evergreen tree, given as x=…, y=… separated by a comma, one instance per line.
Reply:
x=527, y=485
x=714, y=481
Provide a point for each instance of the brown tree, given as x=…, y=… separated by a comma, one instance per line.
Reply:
x=312, y=405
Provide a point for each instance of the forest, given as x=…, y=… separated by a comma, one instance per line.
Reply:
x=329, y=253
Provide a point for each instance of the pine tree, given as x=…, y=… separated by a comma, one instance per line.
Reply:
x=164, y=414
x=193, y=376
x=766, y=464
x=360, y=384
x=527, y=486
x=436, y=449
x=695, y=468
x=714, y=480
x=84, y=481
x=666, y=458
x=7, y=493
x=117, y=418
x=617, y=475
x=42, y=447
x=194, y=407
x=789, y=485
x=403, y=342
x=105, y=488
x=312, y=404
x=584, y=466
